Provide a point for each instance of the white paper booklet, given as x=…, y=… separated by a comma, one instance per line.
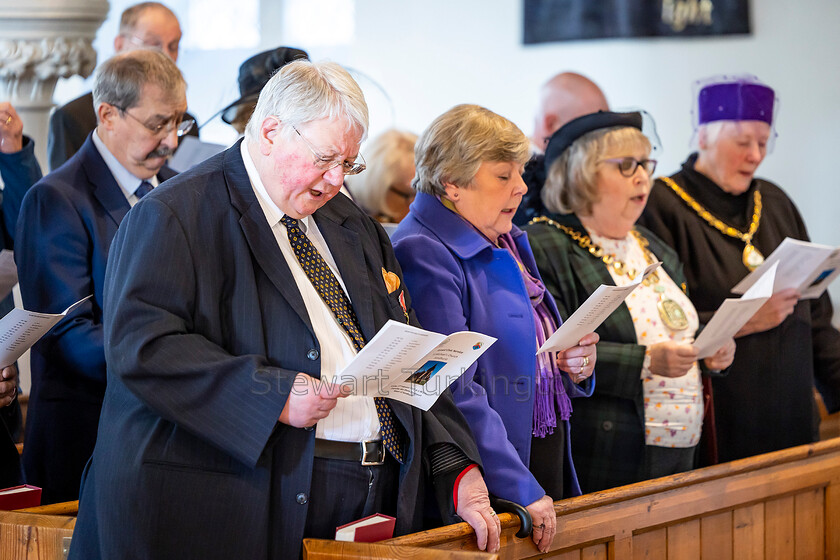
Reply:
x=20, y=329
x=8, y=272
x=589, y=316
x=734, y=313
x=411, y=365
x=808, y=267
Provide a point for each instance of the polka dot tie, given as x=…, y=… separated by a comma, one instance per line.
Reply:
x=330, y=290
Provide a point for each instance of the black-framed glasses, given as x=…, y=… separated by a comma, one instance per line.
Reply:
x=181, y=126
x=325, y=163
x=628, y=165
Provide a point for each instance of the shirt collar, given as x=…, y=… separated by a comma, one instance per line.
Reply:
x=272, y=212
x=127, y=181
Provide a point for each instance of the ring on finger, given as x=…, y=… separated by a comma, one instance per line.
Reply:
x=585, y=361
x=492, y=513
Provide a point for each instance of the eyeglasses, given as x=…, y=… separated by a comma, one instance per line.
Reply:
x=628, y=165
x=171, y=48
x=325, y=163
x=181, y=125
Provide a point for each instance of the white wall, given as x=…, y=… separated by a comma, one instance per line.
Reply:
x=431, y=55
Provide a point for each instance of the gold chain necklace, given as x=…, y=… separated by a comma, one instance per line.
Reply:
x=751, y=257
x=672, y=314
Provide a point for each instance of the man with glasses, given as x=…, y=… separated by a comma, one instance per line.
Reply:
x=66, y=225
x=235, y=295
x=144, y=25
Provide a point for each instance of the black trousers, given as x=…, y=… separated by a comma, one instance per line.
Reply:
x=344, y=491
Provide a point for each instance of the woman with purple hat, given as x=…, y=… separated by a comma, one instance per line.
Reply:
x=645, y=416
x=723, y=221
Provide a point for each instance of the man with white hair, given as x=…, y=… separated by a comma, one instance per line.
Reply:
x=235, y=295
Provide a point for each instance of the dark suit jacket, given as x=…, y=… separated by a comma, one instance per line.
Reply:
x=66, y=225
x=608, y=429
x=70, y=124
x=205, y=332
x=20, y=170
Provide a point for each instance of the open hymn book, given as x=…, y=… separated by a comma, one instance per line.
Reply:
x=411, y=365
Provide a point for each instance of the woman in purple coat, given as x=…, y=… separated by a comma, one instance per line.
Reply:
x=469, y=268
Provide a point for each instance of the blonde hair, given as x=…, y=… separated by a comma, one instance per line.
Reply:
x=388, y=156
x=454, y=146
x=572, y=185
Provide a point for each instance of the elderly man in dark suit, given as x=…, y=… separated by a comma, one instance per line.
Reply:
x=234, y=296
x=143, y=25
x=67, y=222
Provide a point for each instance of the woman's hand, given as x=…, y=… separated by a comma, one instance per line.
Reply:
x=544, y=522
x=722, y=359
x=772, y=313
x=671, y=359
x=579, y=361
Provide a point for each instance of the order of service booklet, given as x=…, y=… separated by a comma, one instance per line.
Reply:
x=411, y=365
x=592, y=312
x=20, y=329
x=733, y=314
x=808, y=267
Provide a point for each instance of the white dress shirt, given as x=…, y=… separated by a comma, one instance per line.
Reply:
x=354, y=418
x=127, y=182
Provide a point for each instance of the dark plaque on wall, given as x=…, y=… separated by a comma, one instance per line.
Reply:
x=572, y=20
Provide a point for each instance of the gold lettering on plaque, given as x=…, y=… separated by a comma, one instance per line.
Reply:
x=680, y=13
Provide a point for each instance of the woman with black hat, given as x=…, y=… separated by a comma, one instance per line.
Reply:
x=644, y=419
x=722, y=221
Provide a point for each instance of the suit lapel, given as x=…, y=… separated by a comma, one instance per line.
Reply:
x=258, y=234
x=105, y=187
x=346, y=249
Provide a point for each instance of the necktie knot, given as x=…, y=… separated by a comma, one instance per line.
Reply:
x=144, y=189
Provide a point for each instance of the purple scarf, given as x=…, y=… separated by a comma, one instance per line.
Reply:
x=550, y=397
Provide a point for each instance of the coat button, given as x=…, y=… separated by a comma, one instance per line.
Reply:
x=607, y=425
x=312, y=354
x=301, y=498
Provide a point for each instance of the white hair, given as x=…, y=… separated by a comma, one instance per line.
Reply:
x=304, y=91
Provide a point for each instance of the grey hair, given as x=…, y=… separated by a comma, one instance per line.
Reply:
x=455, y=145
x=388, y=155
x=120, y=80
x=711, y=131
x=304, y=91
x=572, y=184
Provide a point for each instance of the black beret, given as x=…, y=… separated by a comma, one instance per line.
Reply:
x=574, y=129
x=255, y=72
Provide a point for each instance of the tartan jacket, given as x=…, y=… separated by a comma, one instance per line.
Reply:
x=608, y=429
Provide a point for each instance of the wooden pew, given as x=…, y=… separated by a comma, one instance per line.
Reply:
x=33, y=536
x=779, y=505
x=37, y=533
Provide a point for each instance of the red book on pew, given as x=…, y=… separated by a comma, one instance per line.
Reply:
x=19, y=497
x=376, y=527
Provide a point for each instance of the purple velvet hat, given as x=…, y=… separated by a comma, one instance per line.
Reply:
x=739, y=100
